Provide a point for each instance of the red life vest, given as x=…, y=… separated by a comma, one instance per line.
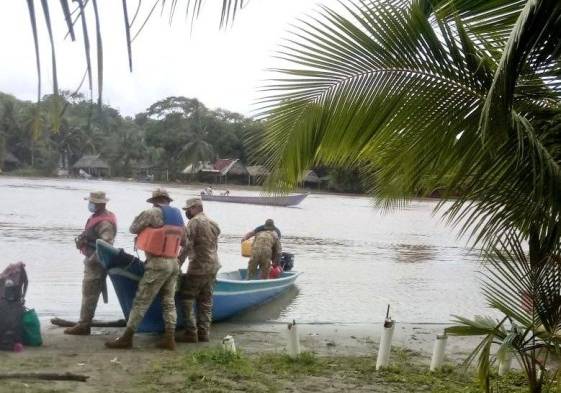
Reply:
x=164, y=241
x=94, y=220
x=90, y=225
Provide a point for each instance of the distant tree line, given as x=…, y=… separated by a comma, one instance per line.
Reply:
x=169, y=135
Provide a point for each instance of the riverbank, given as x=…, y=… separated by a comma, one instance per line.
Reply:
x=37, y=175
x=336, y=358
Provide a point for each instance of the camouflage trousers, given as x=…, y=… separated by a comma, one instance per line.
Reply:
x=197, y=290
x=261, y=260
x=92, y=285
x=160, y=277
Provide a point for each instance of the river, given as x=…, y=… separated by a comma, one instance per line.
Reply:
x=356, y=259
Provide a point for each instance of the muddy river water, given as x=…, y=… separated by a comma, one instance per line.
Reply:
x=355, y=258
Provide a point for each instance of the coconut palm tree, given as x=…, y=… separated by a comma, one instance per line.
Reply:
x=461, y=95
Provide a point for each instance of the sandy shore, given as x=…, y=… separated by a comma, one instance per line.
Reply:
x=113, y=370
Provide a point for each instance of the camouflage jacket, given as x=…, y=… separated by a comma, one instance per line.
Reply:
x=200, y=245
x=267, y=243
x=104, y=230
x=149, y=218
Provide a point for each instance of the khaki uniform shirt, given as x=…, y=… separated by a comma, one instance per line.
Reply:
x=200, y=245
x=267, y=243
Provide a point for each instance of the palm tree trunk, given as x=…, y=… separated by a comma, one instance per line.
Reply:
x=32, y=153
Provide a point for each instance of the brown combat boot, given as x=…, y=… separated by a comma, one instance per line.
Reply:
x=187, y=337
x=80, y=329
x=123, y=342
x=203, y=336
x=168, y=340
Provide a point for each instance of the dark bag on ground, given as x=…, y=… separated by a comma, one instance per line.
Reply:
x=10, y=324
x=13, y=286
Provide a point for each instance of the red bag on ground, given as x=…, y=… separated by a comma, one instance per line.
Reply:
x=275, y=272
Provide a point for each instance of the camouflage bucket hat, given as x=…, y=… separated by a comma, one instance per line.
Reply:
x=159, y=193
x=269, y=224
x=97, y=197
x=189, y=203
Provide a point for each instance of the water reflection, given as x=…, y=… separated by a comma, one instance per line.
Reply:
x=270, y=311
x=414, y=253
x=43, y=186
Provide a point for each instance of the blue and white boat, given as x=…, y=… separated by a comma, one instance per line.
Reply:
x=232, y=293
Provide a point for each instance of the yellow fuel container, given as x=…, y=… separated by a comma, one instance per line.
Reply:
x=246, y=247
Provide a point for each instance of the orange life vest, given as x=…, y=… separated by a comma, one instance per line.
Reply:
x=164, y=241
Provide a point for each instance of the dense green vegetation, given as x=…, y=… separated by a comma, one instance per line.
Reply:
x=170, y=134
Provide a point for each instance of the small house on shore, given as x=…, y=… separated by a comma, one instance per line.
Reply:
x=219, y=171
x=256, y=174
x=232, y=168
x=143, y=170
x=93, y=165
x=10, y=162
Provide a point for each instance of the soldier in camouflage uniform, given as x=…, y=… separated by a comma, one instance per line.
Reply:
x=197, y=286
x=160, y=276
x=100, y=225
x=266, y=247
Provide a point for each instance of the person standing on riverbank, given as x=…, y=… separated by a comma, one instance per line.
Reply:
x=102, y=224
x=197, y=286
x=159, y=233
x=266, y=248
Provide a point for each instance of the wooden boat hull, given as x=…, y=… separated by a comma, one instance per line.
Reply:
x=288, y=200
x=232, y=294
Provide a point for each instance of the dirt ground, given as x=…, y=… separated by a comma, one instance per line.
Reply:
x=347, y=349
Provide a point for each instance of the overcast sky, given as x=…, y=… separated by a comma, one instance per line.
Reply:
x=223, y=68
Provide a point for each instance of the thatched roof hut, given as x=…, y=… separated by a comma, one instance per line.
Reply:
x=92, y=165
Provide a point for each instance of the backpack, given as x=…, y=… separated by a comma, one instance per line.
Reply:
x=15, y=273
x=13, y=286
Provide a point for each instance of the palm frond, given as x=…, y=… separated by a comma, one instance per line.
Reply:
x=68, y=18
x=33, y=22
x=535, y=38
x=228, y=11
x=400, y=95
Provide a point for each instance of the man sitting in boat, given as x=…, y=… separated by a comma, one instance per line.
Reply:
x=268, y=223
x=266, y=248
x=160, y=232
x=197, y=286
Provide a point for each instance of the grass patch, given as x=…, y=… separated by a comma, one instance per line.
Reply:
x=214, y=370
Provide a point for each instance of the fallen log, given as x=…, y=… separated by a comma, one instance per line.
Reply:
x=46, y=376
x=95, y=323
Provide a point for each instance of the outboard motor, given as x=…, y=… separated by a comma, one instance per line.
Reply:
x=287, y=261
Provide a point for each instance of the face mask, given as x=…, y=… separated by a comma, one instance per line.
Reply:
x=91, y=207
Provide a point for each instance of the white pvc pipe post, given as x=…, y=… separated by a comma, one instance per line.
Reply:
x=505, y=363
x=293, y=344
x=228, y=344
x=438, y=352
x=385, y=344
